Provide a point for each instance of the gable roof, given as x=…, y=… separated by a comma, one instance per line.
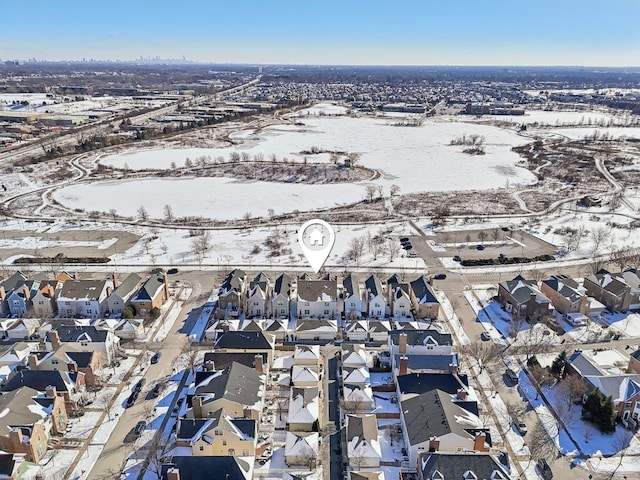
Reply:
x=192, y=467
x=41, y=379
x=423, y=363
x=456, y=465
x=425, y=382
x=283, y=285
x=128, y=286
x=249, y=340
x=222, y=360
x=317, y=290
x=373, y=286
x=303, y=405
x=150, y=288
x=362, y=436
x=13, y=281
x=351, y=286
x=611, y=283
x=18, y=408
x=434, y=414
x=426, y=337
x=301, y=444
x=82, y=289
x=78, y=333
x=521, y=289
x=565, y=286
x=422, y=291
x=237, y=383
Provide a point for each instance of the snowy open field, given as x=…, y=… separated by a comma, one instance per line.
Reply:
x=416, y=159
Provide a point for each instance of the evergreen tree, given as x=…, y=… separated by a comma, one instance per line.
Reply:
x=593, y=406
x=559, y=364
x=607, y=419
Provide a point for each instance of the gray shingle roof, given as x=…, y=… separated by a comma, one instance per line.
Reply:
x=40, y=380
x=351, y=286
x=422, y=291
x=521, y=289
x=565, y=286
x=454, y=466
x=82, y=289
x=201, y=467
x=221, y=360
x=127, y=286
x=283, y=285
x=373, y=285
x=150, y=288
x=251, y=340
x=75, y=333
x=317, y=290
x=422, y=337
x=425, y=382
x=236, y=383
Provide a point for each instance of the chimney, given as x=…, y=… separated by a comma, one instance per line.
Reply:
x=15, y=436
x=165, y=286
x=54, y=338
x=479, y=442
x=404, y=365
x=196, y=403
x=33, y=362
x=116, y=282
x=50, y=391
x=462, y=394
x=257, y=362
x=402, y=342
x=434, y=444
x=72, y=367
x=42, y=346
x=453, y=368
x=173, y=473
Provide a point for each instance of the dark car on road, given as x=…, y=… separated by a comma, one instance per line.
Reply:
x=131, y=400
x=156, y=357
x=172, y=271
x=138, y=386
x=456, y=258
x=545, y=469
x=440, y=276
x=480, y=247
x=156, y=390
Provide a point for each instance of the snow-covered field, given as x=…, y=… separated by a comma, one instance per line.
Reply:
x=416, y=159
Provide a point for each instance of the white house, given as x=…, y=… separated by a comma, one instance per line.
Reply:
x=352, y=297
x=354, y=355
x=356, y=375
x=363, y=446
x=303, y=409
x=123, y=292
x=358, y=398
x=357, y=330
x=317, y=299
x=304, y=376
x=401, y=300
x=420, y=342
x=379, y=330
x=306, y=355
x=374, y=298
x=280, y=301
x=258, y=303
x=301, y=448
x=316, y=330
x=84, y=298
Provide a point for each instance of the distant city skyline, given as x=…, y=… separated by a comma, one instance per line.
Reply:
x=355, y=32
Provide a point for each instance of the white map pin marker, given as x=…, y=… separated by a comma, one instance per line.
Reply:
x=316, y=238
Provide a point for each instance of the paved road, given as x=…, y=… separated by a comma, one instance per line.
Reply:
x=335, y=448
x=118, y=448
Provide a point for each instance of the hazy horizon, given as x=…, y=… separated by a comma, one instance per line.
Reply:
x=355, y=33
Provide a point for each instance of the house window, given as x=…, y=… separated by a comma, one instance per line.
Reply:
x=54, y=362
x=353, y=305
x=245, y=453
x=218, y=432
x=201, y=448
x=377, y=305
x=68, y=304
x=306, y=312
x=326, y=312
x=326, y=304
x=224, y=441
x=41, y=302
x=627, y=404
x=280, y=304
x=84, y=343
x=87, y=303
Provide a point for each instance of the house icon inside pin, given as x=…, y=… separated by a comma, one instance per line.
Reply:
x=316, y=238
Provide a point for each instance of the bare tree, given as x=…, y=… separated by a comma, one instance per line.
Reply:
x=351, y=406
x=168, y=213
x=188, y=357
x=143, y=215
x=394, y=190
x=621, y=441
x=201, y=244
x=393, y=249
x=356, y=249
x=482, y=235
x=353, y=158
x=371, y=193
x=484, y=353
x=540, y=445
x=114, y=214
x=599, y=236
x=158, y=453
x=573, y=388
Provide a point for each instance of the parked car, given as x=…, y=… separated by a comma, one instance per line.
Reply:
x=440, y=276
x=156, y=357
x=172, y=271
x=413, y=255
x=520, y=425
x=131, y=400
x=407, y=246
x=156, y=390
x=485, y=336
x=138, y=386
x=456, y=258
x=404, y=239
x=545, y=469
x=513, y=376
x=479, y=247
x=139, y=428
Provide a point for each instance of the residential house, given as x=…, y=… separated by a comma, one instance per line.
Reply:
x=438, y=421
x=425, y=304
x=86, y=339
x=252, y=325
x=522, y=299
x=306, y=355
x=66, y=359
x=281, y=298
x=230, y=294
x=12, y=465
x=374, y=298
x=258, y=303
x=218, y=435
x=220, y=326
x=358, y=398
x=357, y=330
x=68, y=385
x=23, y=329
x=84, y=298
x=354, y=355
x=305, y=376
x=363, y=446
x=215, y=361
x=303, y=409
x=7, y=286
x=464, y=466
x=29, y=419
x=246, y=342
x=366, y=475
x=318, y=299
x=301, y=449
x=565, y=294
x=19, y=299
x=618, y=292
x=151, y=295
x=379, y=330
x=352, y=297
x=194, y=467
x=430, y=341
x=237, y=389
x=316, y=330
x=129, y=328
x=278, y=328
x=119, y=298
x=431, y=363
x=356, y=375
x=44, y=300
x=400, y=299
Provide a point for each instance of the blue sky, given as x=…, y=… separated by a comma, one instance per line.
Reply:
x=390, y=32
